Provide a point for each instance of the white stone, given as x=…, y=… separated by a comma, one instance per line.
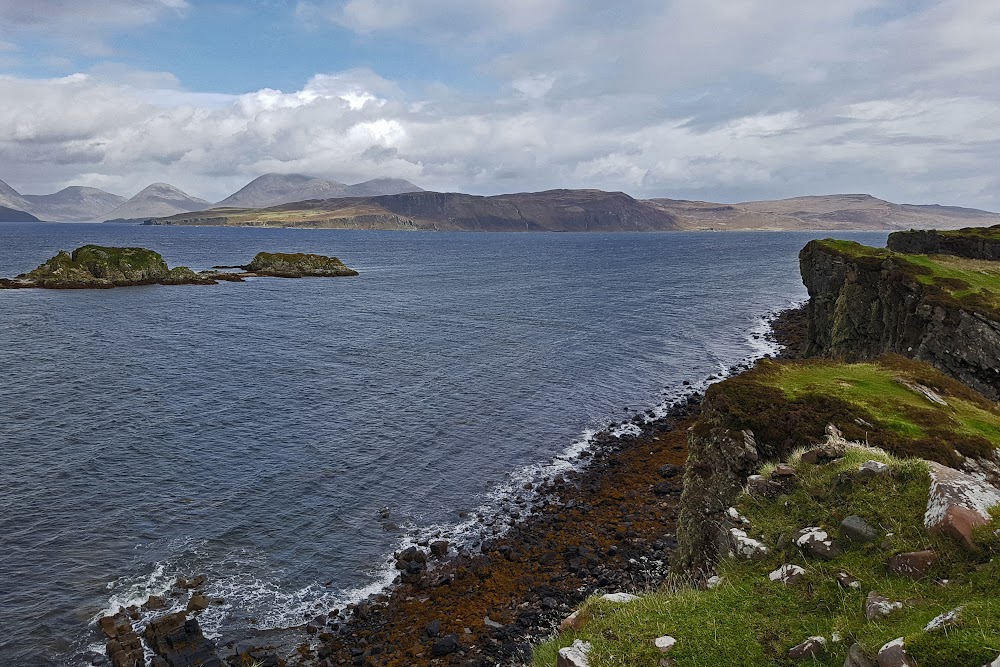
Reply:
x=787, y=574
x=713, y=582
x=746, y=547
x=813, y=534
x=945, y=620
x=664, y=643
x=619, y=597
x=736, y=516
x=836, y=638
x=575, y=655
x=995, y=663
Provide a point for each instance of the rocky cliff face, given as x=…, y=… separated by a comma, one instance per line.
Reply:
x=981, y=243
x=864, y=302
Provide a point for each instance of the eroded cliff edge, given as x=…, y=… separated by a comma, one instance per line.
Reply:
x=941, y=309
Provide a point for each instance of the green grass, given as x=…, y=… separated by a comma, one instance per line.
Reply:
x=751, y=621
x=787, y=404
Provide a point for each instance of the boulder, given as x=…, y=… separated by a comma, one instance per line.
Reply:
x=878, y=606
x=761, y=487
x=944, y=621
x=746, y=547
x=957, y=504
x=787, y=574
x=894, y=655
x=439, y=549
x=856, y=530
x=847, y=581
x=197, y=603
x=856, y=657
x=619, y=597
x=575, y=655
x=815, y=541
x=872, y=469
x=811, y=648
x=445, y=646
x=572, y=622
x=783, y=471
x=914, y=565
x=179, y=641
x=995, y=663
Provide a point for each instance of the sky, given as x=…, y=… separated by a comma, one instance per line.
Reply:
x=728, y=100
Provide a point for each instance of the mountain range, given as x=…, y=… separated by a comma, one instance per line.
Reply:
x=75, y=204
x=297, y=200
x=589, y=210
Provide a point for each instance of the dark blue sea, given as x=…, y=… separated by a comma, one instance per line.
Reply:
x=254, y=431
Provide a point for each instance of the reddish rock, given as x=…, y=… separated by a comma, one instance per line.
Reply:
x=914, y=565
x=894, y=655
x=811, y=648
x=957, y=504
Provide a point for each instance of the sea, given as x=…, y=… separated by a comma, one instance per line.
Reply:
x=283, y=437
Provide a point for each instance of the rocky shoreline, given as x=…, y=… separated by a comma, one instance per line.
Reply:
x=608, y=526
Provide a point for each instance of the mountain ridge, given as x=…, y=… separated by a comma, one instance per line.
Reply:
x=274, y=189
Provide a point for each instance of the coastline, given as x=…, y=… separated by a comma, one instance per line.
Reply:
x=604, y=525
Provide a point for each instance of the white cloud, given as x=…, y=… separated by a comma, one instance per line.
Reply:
x=729, y=100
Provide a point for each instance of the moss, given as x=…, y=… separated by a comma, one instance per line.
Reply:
x=297, y=265
x=99, y=266
x=787, y=404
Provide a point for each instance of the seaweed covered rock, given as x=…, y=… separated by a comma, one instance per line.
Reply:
x=100, y=267
x=298, y=265
x=96, y=266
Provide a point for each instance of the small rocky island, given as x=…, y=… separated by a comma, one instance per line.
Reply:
x=99, y=267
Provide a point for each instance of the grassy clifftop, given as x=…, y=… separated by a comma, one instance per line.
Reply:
x=970, y=282
x=904, y=406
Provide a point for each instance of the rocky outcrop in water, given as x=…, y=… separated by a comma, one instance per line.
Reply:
x=298, y=265
x=864, y=302
x=98, y=267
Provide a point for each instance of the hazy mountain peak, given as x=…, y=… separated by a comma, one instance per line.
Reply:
x=275, y=189
x=157, y=199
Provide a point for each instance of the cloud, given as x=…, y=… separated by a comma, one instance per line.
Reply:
x=730, y=100
x=82, y=25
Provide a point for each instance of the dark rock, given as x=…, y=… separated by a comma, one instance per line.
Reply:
x=433, y=629
x=857, y=530
x=914, y=565
x=856, y=657
x=197, y=603
x=180, y=642
x=297, y=265
x=445, y=646
x=439, y=549
x=878, y=606
x=893, y=654
x=847, y=581
x=812, y=648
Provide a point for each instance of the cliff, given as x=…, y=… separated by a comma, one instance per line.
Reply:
x=903, y=406
x=974, y=242
x=940, y=309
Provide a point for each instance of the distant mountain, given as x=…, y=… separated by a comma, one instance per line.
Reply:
x=554, y=210
x=826, y=212
x=8, y=214
x=74, y=203
x=276, y=189
x=11, y=198
x=158, y=199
